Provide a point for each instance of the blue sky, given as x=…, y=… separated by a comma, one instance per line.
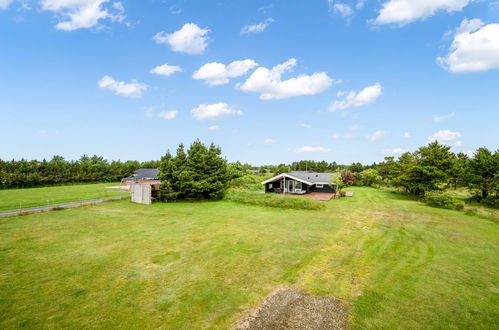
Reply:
x=342, y=81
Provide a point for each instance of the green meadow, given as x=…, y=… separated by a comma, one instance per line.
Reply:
x=12, y=199
x=202, y=265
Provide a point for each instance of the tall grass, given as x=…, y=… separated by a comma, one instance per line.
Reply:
x=273, y=200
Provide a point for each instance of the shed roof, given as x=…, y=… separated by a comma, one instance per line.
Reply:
x=146, y=174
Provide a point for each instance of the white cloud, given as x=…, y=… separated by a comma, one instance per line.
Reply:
x=444, y=136
x=213, y=128
x=257, y=28
x=377, y=135
x=355, y=128
x=4, y=4
x=133, y=89
x=190, y=39
x=406, y=11
x=165, y=70
x=366, y=96
x=268, y=82
x=78, y=14
x=168, y=114
x=475, y=47
x=437, y=118
x=343, y=9
x=394, y=151
x=343, y=136
x=308, y=149
x=268, y=141
x=407, y=135
x=218, y=74
x=214, y=111
x=470, y=153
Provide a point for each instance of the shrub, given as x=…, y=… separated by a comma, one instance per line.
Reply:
x=443, y=200
x=249, y=182
x=491, y=201
x=273, y=200
x=459, y=206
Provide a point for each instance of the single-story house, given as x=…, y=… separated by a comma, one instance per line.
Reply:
x=142, y=175
x=300, y=182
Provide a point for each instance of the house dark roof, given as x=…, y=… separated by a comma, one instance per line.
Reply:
x=146, y=174
x=305, y=176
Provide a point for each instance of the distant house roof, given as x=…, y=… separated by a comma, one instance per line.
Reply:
x=146, y=174
x=143, y=174
x=307, y=177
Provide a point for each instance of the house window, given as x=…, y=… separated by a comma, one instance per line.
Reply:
x=298, y=185
x=270, y=185
x=319, y=185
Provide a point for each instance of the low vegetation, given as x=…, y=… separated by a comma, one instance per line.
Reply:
x=397, y=262
x=13, y=199
x=443, y=200
x=273, y=200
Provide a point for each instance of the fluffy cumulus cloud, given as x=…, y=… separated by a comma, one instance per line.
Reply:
x=394, y=151
x=352, y=99
x=444, y=136
x=218, y=74
x=257, y=28
x=268, y=141
x=165, y=70
x=407, y=11
x=190, y=39
x=133, y=89
x=439, y=118
x=168, y=114
x=377, y=135
x=475, y=47
x=78, y=14
x=214, y=111
x=269, y=84
x=308, y=149
x=4, y=4
x=342, y=9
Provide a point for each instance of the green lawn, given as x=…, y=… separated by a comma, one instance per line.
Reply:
x=397, y=262
x=12, y=199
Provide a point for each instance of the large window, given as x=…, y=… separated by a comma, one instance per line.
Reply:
x=319, y=185
x=298, y=185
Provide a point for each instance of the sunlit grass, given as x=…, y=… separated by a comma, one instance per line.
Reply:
x=397, y=262
x=12, y=199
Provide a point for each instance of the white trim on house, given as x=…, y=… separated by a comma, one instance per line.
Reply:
x=282, y=175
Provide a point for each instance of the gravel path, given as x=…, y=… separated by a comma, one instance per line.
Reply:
x=39, y=209
x=292, y=310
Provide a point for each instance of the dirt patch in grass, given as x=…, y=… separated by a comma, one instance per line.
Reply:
x=291, y=309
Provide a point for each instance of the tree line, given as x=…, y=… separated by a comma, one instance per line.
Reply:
x=31, y=173
x=430, y=168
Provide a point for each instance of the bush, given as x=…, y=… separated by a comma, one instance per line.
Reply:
x=459, y=206
x=490, y=201
x=443, y=200
x=273, y=200
x=249, y=182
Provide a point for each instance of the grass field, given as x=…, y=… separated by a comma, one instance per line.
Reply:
x=398, y=263
x=12, y=199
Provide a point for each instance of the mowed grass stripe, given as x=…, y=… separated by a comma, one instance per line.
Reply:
x=397, y=262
